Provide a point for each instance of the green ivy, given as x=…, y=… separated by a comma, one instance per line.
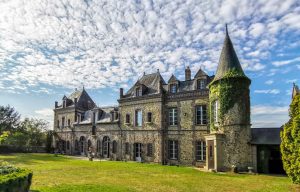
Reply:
x=228, y=91
x=290, y=142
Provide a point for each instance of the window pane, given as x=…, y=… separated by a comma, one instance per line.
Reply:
x=138, y=118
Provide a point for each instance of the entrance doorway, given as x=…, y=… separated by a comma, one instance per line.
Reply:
x=210, y=158
x=138, y=152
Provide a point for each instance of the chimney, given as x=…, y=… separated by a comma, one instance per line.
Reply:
x=56, y=104
x=187, y=73
x=121, y=92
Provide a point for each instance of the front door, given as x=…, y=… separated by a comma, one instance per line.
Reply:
x=210, y=151
x=138, y=151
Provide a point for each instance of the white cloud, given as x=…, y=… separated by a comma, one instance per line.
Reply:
x=286, y=62
x=257, y=29
x=269, y=116
x=268, y=91
x=269, y=82
x=46, y=112
x=70, y=43
x=291, y=80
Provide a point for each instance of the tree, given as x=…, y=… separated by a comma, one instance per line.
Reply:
x=290, y=144
x=4, y=136
x=35, y=130
x=9, y=119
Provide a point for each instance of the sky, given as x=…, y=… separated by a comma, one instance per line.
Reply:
x=50, y=47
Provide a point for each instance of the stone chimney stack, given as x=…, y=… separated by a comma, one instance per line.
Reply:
x=121, y=92
x=56, y=104
x=187, y=73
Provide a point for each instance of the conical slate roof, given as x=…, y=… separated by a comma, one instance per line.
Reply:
x=228, y=60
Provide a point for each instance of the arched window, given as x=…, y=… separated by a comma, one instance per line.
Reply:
x=115, y=146
x=105, y=147
x=76, y=145
x=82, y=144
x=98, y=145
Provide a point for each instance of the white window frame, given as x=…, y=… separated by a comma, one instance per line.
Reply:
x=173, y=88
x=137, y=123
x=173, y=119
x=215, y=109
x=173, y=152
x=200, y=149
x=201, y=115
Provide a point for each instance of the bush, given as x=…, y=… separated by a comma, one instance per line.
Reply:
x=290, y=145
x=13, y=179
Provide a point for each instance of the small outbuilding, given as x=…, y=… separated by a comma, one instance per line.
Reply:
x=266, y=150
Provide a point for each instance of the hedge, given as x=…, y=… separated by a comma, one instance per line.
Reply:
x=18, y=180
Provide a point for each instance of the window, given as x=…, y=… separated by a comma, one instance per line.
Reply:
x=138, y=118
x=149, y=117
x=68, y=145
x=63, y=122
x=127, y=118
x=201, y=117
x=126, y=148
x=69, y=122
x=138, y=91
x=200, y=151
x=82, y=117
x=57, y=123
x=105, y=147
x=115, y=146
x=149, y=150
x=173, y=88
x=201, y=84
x=98, y=145
x=64, y=103
x=173, y=116
x=215, y=110
x=76, y=117
x=173, y=149
x=116, y=115
x=76, y=145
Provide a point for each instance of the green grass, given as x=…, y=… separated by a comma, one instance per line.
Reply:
x=61, y=173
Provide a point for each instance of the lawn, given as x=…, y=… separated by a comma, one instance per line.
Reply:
x=62, y=173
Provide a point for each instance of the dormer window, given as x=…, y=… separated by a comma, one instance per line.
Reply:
x=116, y=115
x=138, y=92
x=201, y=84
x=64, y=103
x=173, y=88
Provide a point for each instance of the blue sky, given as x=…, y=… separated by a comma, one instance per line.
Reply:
x=49, y=48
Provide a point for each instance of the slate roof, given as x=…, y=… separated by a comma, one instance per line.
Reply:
x=150, y=81
x=265, y=136
x=105, y=115
x=228, y=60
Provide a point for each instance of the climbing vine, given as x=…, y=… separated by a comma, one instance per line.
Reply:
x=232, y=88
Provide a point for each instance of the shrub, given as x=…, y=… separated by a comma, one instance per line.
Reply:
x=290, y=145
x=13, y=179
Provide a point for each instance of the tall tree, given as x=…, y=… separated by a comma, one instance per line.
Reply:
x=290, y=144
x=9, y=119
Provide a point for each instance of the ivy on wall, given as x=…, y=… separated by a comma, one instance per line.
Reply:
x=232, y=88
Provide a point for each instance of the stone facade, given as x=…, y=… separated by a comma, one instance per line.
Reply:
x=175, y=123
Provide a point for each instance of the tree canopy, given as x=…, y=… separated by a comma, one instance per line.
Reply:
x=290, y=144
